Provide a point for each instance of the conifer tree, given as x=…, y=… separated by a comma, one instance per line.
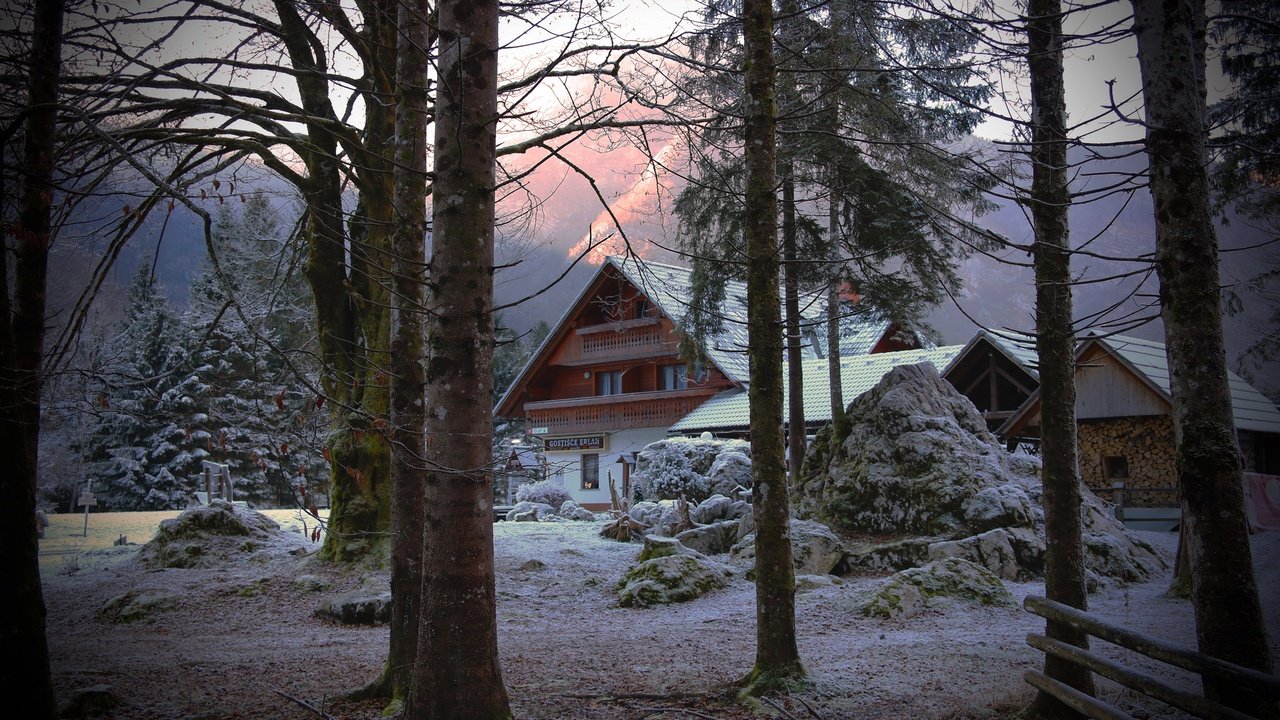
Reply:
x=140, y=455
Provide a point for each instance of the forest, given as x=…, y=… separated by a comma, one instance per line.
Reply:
x=378, y=203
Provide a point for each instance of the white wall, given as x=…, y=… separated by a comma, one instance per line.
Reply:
x=566, y=467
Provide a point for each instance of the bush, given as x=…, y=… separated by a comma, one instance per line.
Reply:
x=543, y=491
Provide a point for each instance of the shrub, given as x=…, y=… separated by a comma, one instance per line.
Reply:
x=543, y=491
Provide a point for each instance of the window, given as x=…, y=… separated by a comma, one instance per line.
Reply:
x=1117, y=466
x=642, y=308
x=590, y=472
x=673, y=377
x=609, y=383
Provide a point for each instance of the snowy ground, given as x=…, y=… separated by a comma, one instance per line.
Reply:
x=237, y=635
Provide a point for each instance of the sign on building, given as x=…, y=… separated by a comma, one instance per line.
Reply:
x=579, y=442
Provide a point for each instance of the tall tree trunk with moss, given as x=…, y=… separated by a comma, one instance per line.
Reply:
x=408, y=375
x=347, y=267
x=1224, y=591
x=777, y=656
x=456, y=672
x=1055, y=343
x=22, y=322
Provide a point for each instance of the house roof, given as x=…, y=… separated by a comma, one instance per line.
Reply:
x=1020, y=350
x=669, y=288
x=1148, y=362
x=730, y=410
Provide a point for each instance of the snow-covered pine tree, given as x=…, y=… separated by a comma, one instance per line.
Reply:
x=250, y=411
x=139, y=455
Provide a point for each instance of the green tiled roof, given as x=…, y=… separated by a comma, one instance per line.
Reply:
x=729, y=410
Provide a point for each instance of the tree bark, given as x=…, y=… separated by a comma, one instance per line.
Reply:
x=456, y=672
x=1224, y=591
x=795, y=359
x=348, y=276
x=22, y=321
x=777, y=656
x=1055, y=344
x=408, y=374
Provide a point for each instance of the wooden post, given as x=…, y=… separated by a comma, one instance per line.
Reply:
x=1117, y=497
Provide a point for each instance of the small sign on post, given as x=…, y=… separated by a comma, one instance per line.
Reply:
x=87, y=500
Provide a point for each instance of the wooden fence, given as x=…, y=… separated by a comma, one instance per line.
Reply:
x=1238, y=679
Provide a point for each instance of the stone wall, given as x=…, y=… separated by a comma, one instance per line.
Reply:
x=1146, y=444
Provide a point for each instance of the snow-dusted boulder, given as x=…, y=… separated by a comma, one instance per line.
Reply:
x=136, y=605
x=670, y=579
x=815, y=550
x=920, y=467
x=676, y=467
x=935, y=585
x=212, y=535
x=1010, y=553
x=358, y=609
x=712, y=539
x=529, y=511
x=730, y=470
x=719, y=507
x=571, y=510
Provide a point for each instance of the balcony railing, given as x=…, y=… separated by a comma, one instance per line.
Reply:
x=628, y=340
x=614, y=412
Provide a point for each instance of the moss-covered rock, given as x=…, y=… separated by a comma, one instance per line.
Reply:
x=670, y=579
x=919, y=469
x=911, y=592
x=211, y=535
x=136, y=605
x=815, y=550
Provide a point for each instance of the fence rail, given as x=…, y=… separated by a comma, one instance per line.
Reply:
x=1261, y=685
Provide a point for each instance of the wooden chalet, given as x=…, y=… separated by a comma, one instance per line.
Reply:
x=1125, y=415
x=609, y=378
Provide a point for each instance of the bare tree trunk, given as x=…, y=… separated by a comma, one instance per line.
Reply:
x=839, y=421
x=1224, y=592
x=408, y=376
x=795, y=360
x=22, y=613
x=777, y=657
x=456, y=672
x=1055, y=344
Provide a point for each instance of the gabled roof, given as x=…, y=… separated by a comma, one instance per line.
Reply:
x=1021, y=351
x=1147, y=361
x=669, y=288
x=730, y=411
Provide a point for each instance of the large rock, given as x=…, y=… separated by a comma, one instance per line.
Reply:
x=213, y=535
x=571, y=510
x=358, y=609
x=936, y=584
x=670, y=579
x=919, y=471
x=730, y=471
x=683, y=467
x=712, y=539
x=136, y=605
x=815, y=550
x=529, y=511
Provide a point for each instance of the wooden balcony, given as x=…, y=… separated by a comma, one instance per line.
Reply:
x=614, y=342
x=614, y=412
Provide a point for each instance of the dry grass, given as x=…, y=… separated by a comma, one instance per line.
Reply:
x=66, y=547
